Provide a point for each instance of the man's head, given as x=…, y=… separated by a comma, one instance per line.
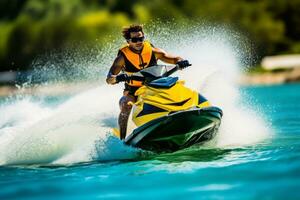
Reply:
x=134, y=35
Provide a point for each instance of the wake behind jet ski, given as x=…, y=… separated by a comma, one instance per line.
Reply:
x=168, y=116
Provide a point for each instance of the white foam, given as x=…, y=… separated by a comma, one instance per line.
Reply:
x=67, y=135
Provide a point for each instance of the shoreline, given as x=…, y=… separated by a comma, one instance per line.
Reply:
x=266, y=78
x=271, y=78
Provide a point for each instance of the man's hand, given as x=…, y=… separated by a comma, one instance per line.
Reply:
x=115, y=69
x=183, y=64
x=111, y=80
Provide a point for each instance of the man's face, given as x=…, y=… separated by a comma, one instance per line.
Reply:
x=136, y=40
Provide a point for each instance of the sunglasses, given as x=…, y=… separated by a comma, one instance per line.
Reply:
x=137, y=39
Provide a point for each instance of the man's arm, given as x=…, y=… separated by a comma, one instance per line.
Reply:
x=165, y=57
x=115, y=69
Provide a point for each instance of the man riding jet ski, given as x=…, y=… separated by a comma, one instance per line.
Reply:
x=168, y=116
x=135, y=55
x=163, y=96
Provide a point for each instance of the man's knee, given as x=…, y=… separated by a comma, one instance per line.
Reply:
x=124, y=103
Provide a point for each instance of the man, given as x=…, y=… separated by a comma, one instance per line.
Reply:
x=136, y=55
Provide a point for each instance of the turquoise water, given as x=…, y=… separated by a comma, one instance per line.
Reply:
x=268, y=169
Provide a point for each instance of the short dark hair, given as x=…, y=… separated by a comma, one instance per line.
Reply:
x=132, y=28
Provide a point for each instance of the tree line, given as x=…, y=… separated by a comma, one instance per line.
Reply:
x=29, y=28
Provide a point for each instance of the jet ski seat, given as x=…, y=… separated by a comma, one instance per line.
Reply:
x=164, y=82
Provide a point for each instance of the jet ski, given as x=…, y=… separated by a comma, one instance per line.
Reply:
x=168, y=116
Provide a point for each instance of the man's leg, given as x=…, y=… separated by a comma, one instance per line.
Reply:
x=124, y=114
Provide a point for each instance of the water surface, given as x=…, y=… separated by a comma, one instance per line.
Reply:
x=268, y=169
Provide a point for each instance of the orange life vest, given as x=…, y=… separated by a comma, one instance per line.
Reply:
x=135, y=62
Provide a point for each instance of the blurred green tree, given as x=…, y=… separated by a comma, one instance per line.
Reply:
x=32, y=27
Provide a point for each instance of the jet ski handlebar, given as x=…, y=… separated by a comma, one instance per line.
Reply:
x=154, y=72
x=128, y=78
x=122, y=78
x=178, y=66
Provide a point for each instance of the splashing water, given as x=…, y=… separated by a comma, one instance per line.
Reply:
x=218, y=55
x=67, y=134
x=78, y=130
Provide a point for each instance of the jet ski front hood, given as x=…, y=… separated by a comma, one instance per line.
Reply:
x=177, y=130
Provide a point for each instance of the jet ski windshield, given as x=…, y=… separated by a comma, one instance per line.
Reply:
x=157, y=71
x=154, y=72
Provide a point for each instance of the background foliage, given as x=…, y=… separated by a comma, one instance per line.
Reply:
x=29, y=28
